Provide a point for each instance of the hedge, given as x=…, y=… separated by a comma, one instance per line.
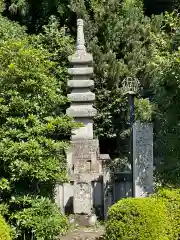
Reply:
x=139, y=219
x=4, y=230
x=171, y=198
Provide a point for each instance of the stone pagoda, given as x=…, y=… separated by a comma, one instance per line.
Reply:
x=85, y=163
x=85, y=191
x=92, y=184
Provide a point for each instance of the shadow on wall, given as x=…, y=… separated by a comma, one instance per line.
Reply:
x=98, y=198
x=69, y=206
x=122, y=187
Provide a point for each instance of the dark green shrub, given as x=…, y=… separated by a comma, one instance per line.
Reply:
x=4, y=230
x=39, y=219
x=3, y=209
x=138, y=219
x=171, y=198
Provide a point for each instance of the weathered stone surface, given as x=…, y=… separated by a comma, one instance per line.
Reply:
x=82, y=149
x=81, y=111
x=85, y=233
x=85, y=132
x=80, y=71
x=82, y=198
x=107, y=190
x=86, y=176
x=64, y=195
x=81, y=58
x=82, y=97
x=80, y=83
x=105, y=157
x=82, y=167
x=80, y=47
x=143, y=159
x=85, y=158
x=59, y=193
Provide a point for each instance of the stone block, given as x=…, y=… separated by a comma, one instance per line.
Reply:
x=86, y=176
x=59, y=196
x=80, y=83
x=82, y=198
x=85, y=132
x=82, y=167
x=80, y=58
x=80, y=71
x=80, y=111
x=122, y=189
x=82, y=149
x=82, y=97
x=142, y=159
x=107, y=190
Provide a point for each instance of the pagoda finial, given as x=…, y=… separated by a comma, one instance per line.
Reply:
x=80, y=36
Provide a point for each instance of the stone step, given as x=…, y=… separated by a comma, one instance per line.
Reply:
x=85, y=234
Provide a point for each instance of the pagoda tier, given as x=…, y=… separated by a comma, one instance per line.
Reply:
x=81, y=97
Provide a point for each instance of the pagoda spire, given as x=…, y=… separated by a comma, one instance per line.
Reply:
x=82, y=98
x=80, y=44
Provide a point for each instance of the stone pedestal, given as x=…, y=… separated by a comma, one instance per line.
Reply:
x=85, y=168
x=142, y=159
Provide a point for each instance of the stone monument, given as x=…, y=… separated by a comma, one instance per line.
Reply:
x=87, y=168
x=142, y=159
x=85, y=164
x=91, y=183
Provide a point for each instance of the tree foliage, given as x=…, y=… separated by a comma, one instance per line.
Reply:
x=35, y=13
x=165, y=86
x=4, y=230
x=54, y=39
x=34, y=133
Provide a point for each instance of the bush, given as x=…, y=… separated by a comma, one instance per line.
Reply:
x=4, y=230
x=138, y=219
x=40, y=219
x=171, y=198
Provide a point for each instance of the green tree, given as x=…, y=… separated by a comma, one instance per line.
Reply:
x=54, y=39
x=166, y=87
x=34, y=135
x=35, y=13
